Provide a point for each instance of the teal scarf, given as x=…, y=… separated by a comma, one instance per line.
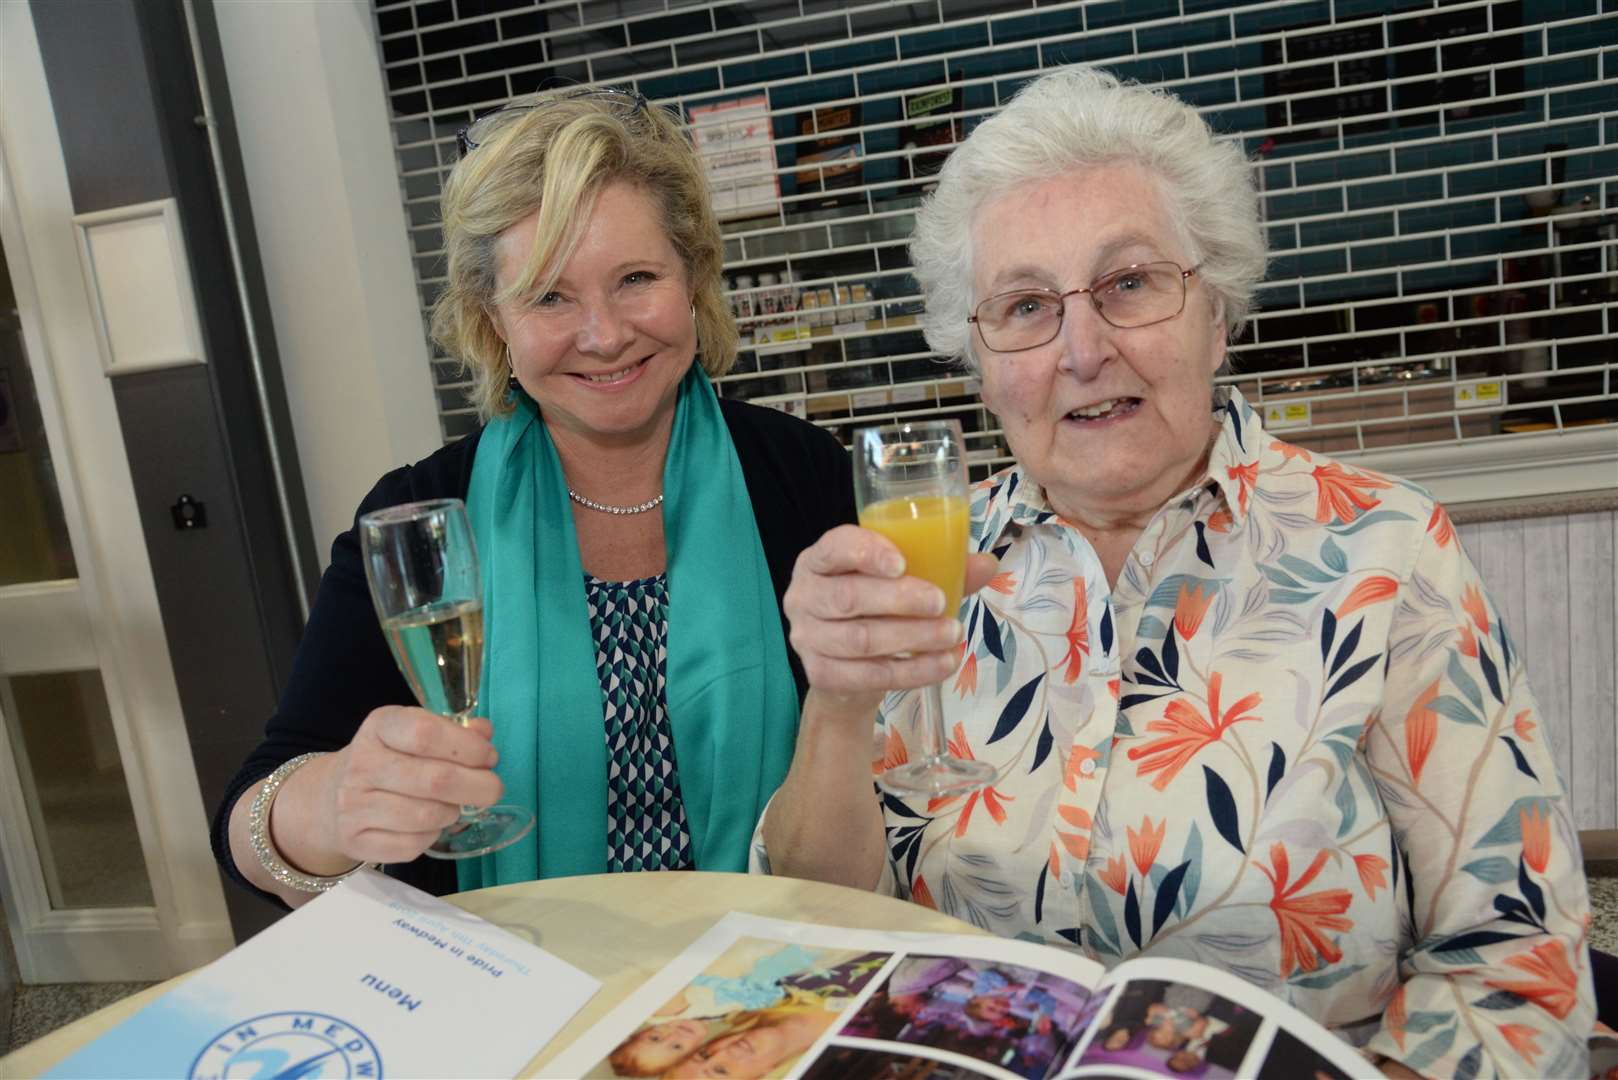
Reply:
x=731, y=699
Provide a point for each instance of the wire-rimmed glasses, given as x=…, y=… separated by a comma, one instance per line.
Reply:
x=1134, y=296
x=476, y=133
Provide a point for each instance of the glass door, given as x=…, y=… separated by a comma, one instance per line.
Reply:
x=59, y=731
x=74, y=855
x=105, y=873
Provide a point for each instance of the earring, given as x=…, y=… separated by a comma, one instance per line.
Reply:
x=512, y=386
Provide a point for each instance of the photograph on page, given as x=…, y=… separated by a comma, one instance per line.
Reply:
x=1173, y=1029
x=1174, y=1018
x=1021, y=1019
x=752, y=1012
x=849, y=1062
x=1290, y=1058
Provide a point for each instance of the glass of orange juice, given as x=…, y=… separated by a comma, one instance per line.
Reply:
x=910, y=484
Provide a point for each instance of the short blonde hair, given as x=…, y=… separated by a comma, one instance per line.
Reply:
x=555, y=152
x=1075, y=118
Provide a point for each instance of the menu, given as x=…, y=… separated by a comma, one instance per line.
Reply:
x=372, y=979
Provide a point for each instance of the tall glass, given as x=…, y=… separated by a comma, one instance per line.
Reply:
x=910, y=485
x=423, y=570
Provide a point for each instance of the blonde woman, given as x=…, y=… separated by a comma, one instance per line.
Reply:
x=636, y=534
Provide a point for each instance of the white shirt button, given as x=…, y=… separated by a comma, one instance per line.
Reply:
x=1087, y=766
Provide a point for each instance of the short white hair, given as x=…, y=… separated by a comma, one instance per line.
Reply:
x=1076, y=118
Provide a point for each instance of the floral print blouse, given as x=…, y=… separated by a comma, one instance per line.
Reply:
x=1294, y=743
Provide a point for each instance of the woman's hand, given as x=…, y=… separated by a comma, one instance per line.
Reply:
x=862, y=627
x=853, y=613
x=386, y=795
x=382, y=798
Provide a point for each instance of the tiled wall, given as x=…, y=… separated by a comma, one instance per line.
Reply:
x=1440, y=183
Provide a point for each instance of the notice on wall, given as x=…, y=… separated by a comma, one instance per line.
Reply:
x=737, y=148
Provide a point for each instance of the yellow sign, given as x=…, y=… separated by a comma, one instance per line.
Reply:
x=1476, y=395
x=1291, y=414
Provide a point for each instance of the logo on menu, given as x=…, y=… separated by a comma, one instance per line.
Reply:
x=288, y=1046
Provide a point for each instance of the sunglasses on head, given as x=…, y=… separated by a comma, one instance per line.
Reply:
x=473, y=135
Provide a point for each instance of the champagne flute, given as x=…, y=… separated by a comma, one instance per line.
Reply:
x=422, y=566
x=910, y=485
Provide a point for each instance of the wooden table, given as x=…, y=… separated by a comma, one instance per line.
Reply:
x=621, y=928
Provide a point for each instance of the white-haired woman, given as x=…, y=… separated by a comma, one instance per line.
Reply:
x=636, y=534
x=1246, y=705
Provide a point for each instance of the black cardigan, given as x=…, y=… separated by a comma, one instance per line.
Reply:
x=798, y=478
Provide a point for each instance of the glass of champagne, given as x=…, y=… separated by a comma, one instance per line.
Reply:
x=910, y=485
x=422, y=566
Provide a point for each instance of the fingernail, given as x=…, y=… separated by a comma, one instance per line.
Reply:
x=893, y=564
x=938, y=602
x=958, y=634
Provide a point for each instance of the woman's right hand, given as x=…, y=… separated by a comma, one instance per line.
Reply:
x=862, y=627
x=405, y=775
x=382, y=798
x=853, y=613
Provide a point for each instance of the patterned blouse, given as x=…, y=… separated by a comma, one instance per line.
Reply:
x=1294, y=743
x=646, y=823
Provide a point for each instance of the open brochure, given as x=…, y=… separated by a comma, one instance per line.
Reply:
x=760, y=997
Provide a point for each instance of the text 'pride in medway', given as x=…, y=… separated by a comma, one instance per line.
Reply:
x=479, y=955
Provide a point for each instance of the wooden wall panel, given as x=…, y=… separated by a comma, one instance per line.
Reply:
x=1541, y=635
x=1554, y=581
x=1592, y=650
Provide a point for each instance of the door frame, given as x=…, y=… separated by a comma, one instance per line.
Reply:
x=189, y=924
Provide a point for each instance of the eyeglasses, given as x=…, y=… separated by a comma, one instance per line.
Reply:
x=1135, y=296
x=476, y=133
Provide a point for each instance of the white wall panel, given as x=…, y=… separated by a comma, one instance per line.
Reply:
x=1554, y=583
x=312, y=120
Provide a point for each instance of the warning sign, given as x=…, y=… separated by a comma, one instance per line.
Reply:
x=1289, y=415
x=1481, y=394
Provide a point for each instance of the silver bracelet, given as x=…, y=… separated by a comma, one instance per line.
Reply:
x=258, y=832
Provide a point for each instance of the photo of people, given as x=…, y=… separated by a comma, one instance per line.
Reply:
x=1017, y=1018
x=1173, y=1029
x=1290, y=1058
x=751, y=1013
x=859, y=1063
